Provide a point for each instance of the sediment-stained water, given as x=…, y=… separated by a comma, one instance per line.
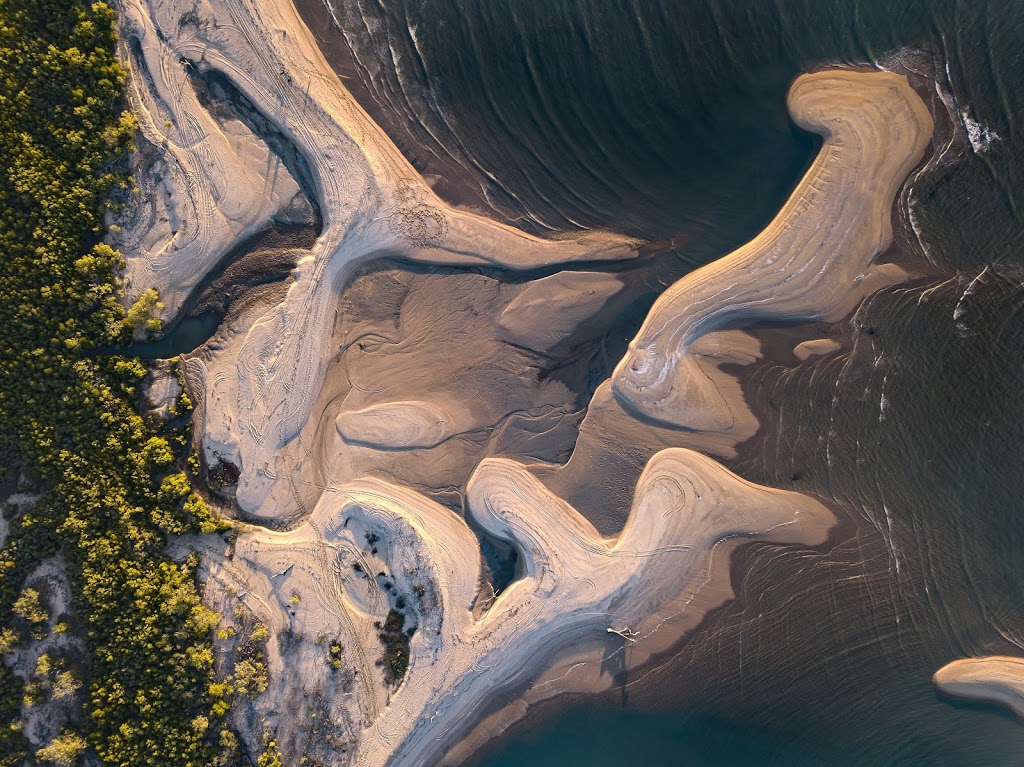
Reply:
x=667, y=121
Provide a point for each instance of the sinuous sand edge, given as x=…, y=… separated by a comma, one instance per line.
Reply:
x=996, y=678
x=371, y=548
x=372, y=202
x=575, y=587
x=810, y=260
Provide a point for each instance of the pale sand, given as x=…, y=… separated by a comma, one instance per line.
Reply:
x=809, y=263
x=581, y=597
x=998, y=679
x=817, y=347
x=372, y=201
x=575, y=588
x=212, y=183
x=405, y=424
x=579, y=297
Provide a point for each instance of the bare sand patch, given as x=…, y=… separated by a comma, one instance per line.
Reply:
x=816, y=347
x=996, y=678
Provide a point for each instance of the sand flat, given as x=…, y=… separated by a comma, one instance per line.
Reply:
x=810, y=260
x=372, y=202
x=369, y=547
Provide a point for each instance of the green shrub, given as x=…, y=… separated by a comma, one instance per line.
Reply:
x=64, y=751
x=112, y=491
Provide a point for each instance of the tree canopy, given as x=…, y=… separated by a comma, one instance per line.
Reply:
x=112, y=490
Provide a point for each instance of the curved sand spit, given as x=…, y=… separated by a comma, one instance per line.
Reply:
x=997, y=678
x=575, y=587
x=372, y=201
x=808, y=264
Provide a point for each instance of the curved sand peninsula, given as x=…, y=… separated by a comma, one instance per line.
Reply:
x=997, y=679
x=811, y=260
x=575, y=588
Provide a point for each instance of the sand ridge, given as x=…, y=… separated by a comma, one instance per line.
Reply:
x=372, y=202
x=995, y=678
x=813, y=260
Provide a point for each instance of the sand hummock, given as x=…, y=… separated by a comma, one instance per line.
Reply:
x=996, y=678
x=579, y=296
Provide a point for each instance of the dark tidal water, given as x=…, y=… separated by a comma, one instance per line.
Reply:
x=667, y=120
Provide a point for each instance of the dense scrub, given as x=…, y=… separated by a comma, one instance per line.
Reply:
x=396, y=646
x=111, y=488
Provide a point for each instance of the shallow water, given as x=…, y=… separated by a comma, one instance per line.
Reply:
x=667, y=120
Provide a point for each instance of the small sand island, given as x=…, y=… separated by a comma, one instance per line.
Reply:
x=304, y=418
x=995, y=679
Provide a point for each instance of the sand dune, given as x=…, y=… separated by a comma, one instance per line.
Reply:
x=998, y=679
x=811, y=260
x=815, y=347
x=404, y=424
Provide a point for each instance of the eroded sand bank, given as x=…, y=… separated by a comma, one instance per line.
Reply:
x=368, y=547
x=997, y=679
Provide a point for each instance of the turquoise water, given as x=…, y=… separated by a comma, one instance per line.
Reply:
x=666, y=120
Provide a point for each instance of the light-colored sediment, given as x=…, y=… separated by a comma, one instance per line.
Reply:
x=816, y=347
x=809, y=263
x=369, y=546
x=44, y=719
x=208, y=183
x=405, y=424
x=372, y=202
x=579, y=296
x=996, y=679
x=576, y=588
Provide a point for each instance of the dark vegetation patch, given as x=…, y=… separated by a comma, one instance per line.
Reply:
x=396, y=647
x=112, y=488
x=222, y=475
